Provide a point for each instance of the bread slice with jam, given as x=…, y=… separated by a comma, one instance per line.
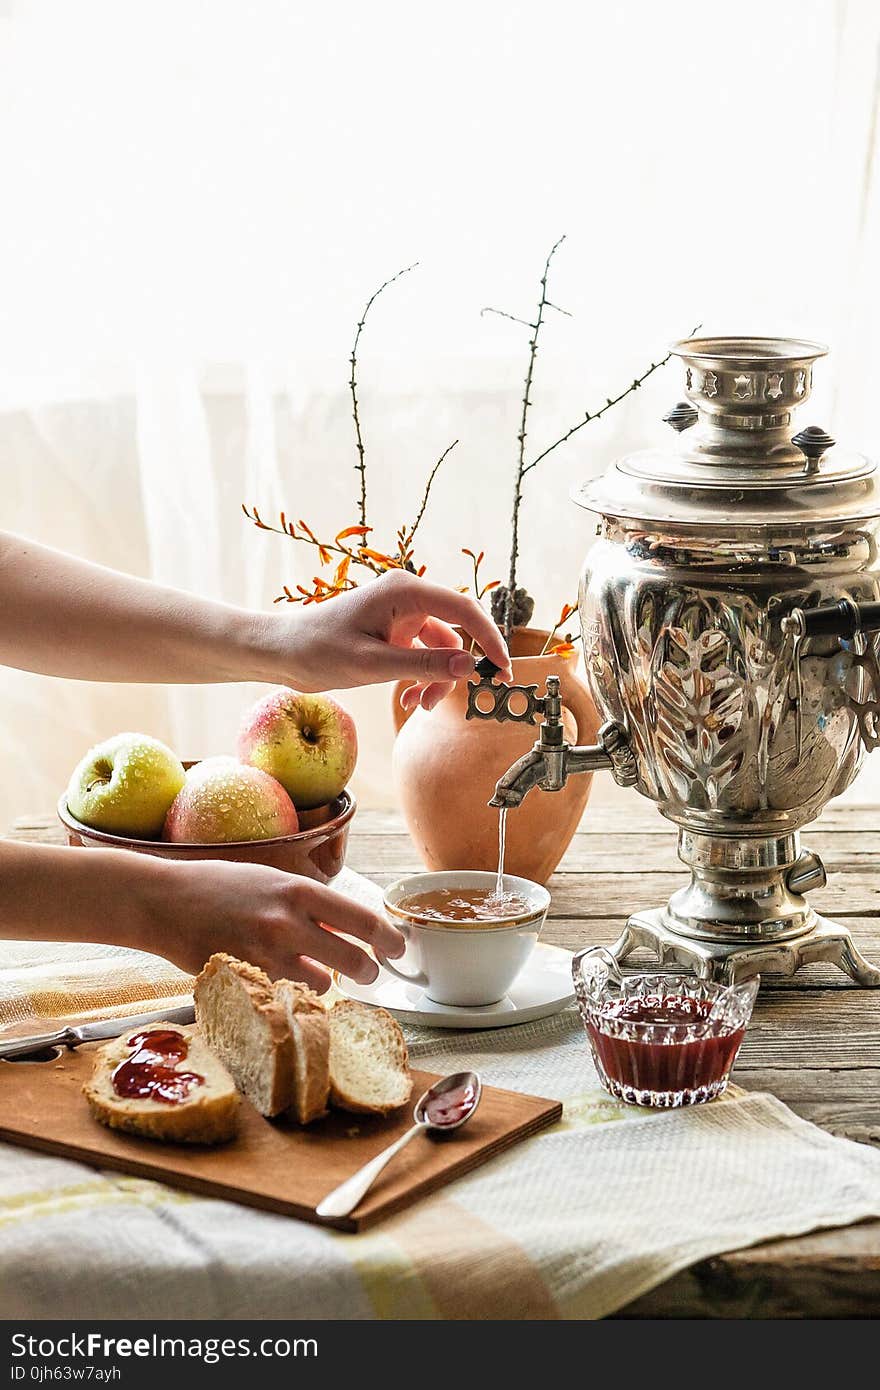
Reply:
x=163, y=1082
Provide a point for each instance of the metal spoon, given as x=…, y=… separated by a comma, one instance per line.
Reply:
x=436, y=1111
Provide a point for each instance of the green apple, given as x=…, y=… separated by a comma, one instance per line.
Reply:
x=307, y=742
x=125, y=786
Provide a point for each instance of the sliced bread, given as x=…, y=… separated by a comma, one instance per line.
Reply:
x=369, y=1070
x=307, y=1020
x=202, y=1111
x=246, y=1023
x=289, y=1054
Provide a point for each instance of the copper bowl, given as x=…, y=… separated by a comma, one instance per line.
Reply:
x=317, y=850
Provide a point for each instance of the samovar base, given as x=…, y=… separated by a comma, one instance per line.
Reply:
x=744, y=913
x=744, y=888
x=732, y=961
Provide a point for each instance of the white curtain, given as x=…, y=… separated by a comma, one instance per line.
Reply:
x=197, y=198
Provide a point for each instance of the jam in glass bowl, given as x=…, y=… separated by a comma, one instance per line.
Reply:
x=660, y=1039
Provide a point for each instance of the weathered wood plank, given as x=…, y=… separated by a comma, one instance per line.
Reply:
x=604, y=897
x=851, y=892
x=634, y=815
x=848, y=894
x=590, y=906
x=845, y=1101
x=617, y=854
x=829, y=1030
x=813, y=1084
x=828, y=1274
x=386, y=848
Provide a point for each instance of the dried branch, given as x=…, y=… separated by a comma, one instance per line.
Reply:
x=376, y=561
x=521, y=440
x=510, y=600
x=480, y=590
x=360, y=466
x=502, y=314
x=427, y=493
x=320, y=591
x=567, y=610
x=362, y=555
x=597, y=414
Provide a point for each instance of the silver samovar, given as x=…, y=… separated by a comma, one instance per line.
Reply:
x=725, y=610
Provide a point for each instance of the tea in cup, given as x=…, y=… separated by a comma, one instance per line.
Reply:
x=465, y=943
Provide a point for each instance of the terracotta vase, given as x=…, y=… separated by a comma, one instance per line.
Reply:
x=446, y=766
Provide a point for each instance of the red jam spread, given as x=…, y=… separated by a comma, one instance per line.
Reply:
x=151, y=1073
x=671, y=1065
x=451, y=1106
x=164, y=1042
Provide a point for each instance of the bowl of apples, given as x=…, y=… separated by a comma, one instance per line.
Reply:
x=281, y=801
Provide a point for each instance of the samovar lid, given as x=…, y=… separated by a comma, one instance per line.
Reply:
x=739, y=463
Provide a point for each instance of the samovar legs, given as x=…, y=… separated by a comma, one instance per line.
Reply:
x=730, y=962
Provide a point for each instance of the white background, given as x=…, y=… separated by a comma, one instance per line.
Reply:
x=197, y=198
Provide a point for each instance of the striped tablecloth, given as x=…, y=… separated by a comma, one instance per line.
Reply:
x=573, y=1223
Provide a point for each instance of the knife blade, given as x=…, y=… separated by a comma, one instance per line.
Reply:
x=93, y=1032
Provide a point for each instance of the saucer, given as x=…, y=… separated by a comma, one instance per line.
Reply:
x=543, y=987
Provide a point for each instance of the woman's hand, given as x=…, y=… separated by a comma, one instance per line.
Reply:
x=64, y=617
x=187, y=911
x=393, y=627
x=285, y=924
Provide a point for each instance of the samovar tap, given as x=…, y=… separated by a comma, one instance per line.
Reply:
x=552, y=760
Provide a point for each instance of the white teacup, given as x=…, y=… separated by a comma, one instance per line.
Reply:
x=464, y=963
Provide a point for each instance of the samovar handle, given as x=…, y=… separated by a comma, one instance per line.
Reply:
x=814, y=443
x=841, y=619
x=681, y=416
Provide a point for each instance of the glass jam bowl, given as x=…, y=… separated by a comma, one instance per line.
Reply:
x=660, y=1039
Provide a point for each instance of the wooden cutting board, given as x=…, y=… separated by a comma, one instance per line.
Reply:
x=271, y=1164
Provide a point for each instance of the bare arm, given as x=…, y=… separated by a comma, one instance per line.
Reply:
x=186, y=911
x=62, y=616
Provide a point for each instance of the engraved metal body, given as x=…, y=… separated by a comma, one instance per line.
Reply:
x=740, y=726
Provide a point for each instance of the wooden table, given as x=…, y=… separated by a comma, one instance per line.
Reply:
x=814, y=1040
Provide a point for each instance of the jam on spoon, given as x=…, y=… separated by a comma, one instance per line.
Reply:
x=450, y=1107
x=445, y=1106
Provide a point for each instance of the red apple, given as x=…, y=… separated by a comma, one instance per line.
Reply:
x=223, y=800
x=309, y=742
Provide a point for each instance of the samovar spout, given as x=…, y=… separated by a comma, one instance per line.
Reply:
x=528, y=771
x=552, y=760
